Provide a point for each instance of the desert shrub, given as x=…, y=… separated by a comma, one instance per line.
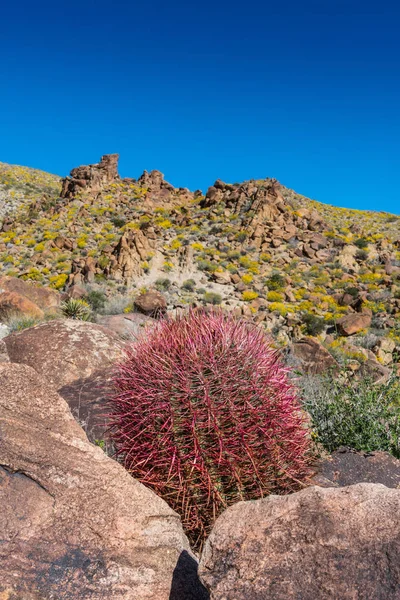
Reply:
x=163, y=284
x=75, y=308
x=241, y=236
x=275, y=281
x=189, y=285
x=212, y=298
x=249, y=295
x=204, y=414
x=361, y=255
x=20, y=322
x=118, y=221
x=274, y=296
x=96, y=299
x=361, y=243
x=314, y=325
x=361, y=414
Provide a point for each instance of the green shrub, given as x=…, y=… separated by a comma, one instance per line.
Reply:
x=212, y=298
x=96, y=300
x=359, y=414
x=189, y=285
x=162, y=284
x=361, y=243
x=361, y=255
x=18, y=322
x=275, y=282
x=313, y=324
x=118, y=221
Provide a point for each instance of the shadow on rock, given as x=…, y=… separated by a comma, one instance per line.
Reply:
x=186, y=584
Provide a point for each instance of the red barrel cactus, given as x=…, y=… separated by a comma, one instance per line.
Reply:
x=204, y=413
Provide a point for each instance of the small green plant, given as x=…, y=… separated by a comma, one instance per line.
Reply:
x=361, y=255
x=118, y=222
x=275, y=282
x=362, y=415
x=18, y=322
x=212, y=298
x=96, y=300
x=361, y=243
x=313, y=325
x=75, y=308
x=162, y=284
x=189, y=285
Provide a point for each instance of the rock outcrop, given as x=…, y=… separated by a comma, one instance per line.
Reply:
x=13, y=304
x=318, y=543
x=133, y=248
x=73, y=523
x=91, y=177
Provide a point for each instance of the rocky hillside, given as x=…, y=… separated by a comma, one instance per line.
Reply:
x=296, y=266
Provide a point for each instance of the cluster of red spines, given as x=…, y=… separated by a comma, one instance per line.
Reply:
x=204, y=413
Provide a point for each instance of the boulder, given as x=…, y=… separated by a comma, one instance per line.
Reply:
x=152, y=303
x=353, y=323
x=13, y=304
x=313, y=357
x=44, y=298
x=64, y=350
x=128, y=326
x=325, y=543
x=73, y=523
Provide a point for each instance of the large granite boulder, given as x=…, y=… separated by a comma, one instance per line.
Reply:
x=73, y=523
x=325, y=543
x=64, y=350
x=77, y=359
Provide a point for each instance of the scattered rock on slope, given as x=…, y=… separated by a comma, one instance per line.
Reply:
x=318, y=543
x=354, y=323
x=313, y=357
x=74, y=524
x=152, y=303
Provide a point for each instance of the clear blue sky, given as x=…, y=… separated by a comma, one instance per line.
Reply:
x=307, y=92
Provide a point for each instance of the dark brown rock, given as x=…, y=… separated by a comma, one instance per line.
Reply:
x=323, y=543
x=73, y=523
x=354, y=323
x=347, y=466
x=152, y=304
x=313, y=357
